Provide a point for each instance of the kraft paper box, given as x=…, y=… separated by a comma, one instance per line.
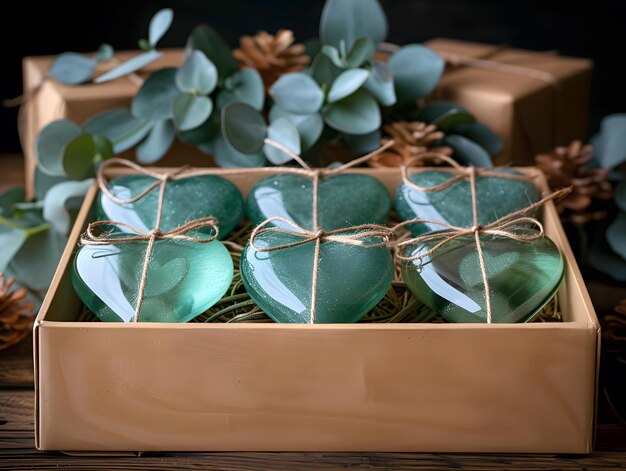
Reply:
x=48, y=100
x=103, y=387
x=541, y=103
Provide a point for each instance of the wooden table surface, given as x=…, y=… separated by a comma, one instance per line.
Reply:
x=17, y=445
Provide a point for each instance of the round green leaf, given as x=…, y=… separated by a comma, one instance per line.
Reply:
x=323, y=71
x=190, y=111
x=480, y=134
x=11, y=241
x=243, y=127
x=445, y=115
x=364, y=143
x=468, y=152
x=416, y=70
x=43, y=182
x=602, y=258
x=610, y=144
x=245, y=86
x=298, y=93
x=332, y=53
x=226, y=156
x=310, y=126
x=82, y=154
x=380, y=84
x=120, y=127
x=9, y=198
x=159, y=24
x=154, y=98
x=362, y=51
x=347, y=83
x=284, y=132
x=72, y=68
x=50, y=143
x=54, y=204
x=205, y=39
x=197, y=74
x=158, y=142
x=130, y=66
x=105, y=52
x=203, y=133
x=357, y=114
x=346, y=20
x=616, y=235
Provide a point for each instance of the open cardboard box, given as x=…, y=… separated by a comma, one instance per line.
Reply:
x=345, y=387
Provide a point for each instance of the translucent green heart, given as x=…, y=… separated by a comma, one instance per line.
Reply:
x=523, y=277
x=185, y=200
x=496, y=198
x=343, y=200
x=351, y=279
x=184, y=279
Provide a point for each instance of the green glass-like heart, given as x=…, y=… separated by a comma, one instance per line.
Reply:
x=343, y=201
x=184, y=279
x=351, y=279
x=523, y=277
x=185, y=200
x=496, y=198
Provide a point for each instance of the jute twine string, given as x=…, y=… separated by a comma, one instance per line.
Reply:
x=512, y=226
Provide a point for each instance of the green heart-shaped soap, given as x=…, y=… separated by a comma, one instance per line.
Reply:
x=343, y=201
x=185, y=200
x=496, y=198
x=351, y=279
x=523, y=277
x=184, y=279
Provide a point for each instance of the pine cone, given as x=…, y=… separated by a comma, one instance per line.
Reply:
x=272, y=56
x=15, y=322
x=410, y=139
x=566, y=166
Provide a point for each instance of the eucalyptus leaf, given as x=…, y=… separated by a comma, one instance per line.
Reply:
x=312, y=47
x=50, y=143
x=610, y=143
x=9, y=198
x=346, y=20
x=416, y=71
x=310, y=126
x=35, y=263
x=72, y=68
x=190, y=111
x=120, y=127
x=481, y=135
x=81, y=155
x=445, y=115
x=298, y=93
x=380, y=84
x=226, y=156
x=154, y=98
x=54, y=204
x=284, y=132
x=205, y=39
x=243, y=128
x=43, y=182
x=105, y=52
x=468, y=152
x=130, y=66
x=603, y=259
x=356, y=114
x=616, y=235
x=158, y=142
x=333, y=54
x=346, y=84
x=323, y=71
x=159, y=24
x=364, y=143
x=197, y=74
x=362, y=51
x=203, y=133
x=245, y=86
x=11, y=241
x=619, y=194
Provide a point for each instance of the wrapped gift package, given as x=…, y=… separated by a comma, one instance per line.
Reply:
x=534, y=101
x=48, y=100
x=430, y=387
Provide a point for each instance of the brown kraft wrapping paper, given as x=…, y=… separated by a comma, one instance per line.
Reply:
x=532, y=112
x=47, y=100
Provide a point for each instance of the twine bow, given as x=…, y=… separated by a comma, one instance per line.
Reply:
x=512, y=226
x=355, y=235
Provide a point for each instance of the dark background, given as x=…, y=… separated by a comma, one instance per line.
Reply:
x=589, y=29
